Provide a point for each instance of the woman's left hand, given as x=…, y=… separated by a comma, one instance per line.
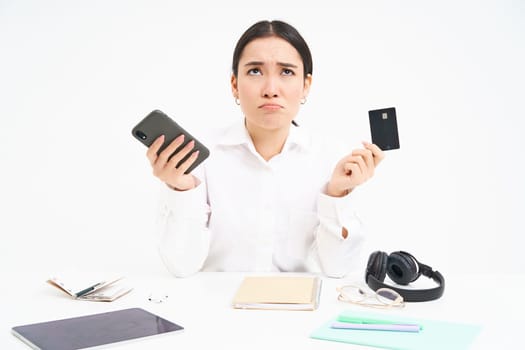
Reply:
x=354, y=169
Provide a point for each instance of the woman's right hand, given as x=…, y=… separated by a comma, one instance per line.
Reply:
x=165, y=168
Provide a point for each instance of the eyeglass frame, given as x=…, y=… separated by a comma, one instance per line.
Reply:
x=398, y=302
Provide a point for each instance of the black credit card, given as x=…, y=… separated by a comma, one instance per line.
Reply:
x=383, y=127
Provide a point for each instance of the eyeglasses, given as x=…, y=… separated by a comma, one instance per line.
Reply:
x=383, y=298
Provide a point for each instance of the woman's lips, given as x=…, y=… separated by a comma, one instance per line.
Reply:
x=270, y=106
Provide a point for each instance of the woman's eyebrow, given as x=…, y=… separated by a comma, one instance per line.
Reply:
x=254, y=63
x=260, y=63
x=287, y=65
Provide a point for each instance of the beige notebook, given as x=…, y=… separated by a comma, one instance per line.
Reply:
x=278, y=292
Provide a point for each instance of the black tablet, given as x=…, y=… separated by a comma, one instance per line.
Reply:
x=94, y=330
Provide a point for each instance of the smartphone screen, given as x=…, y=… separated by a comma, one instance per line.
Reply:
x=158, y=123
x=383, y=127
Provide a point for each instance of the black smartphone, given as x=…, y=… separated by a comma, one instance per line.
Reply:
x=158, y=123
x=383, y=127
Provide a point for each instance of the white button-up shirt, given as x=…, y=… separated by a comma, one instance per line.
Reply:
x=249, y=214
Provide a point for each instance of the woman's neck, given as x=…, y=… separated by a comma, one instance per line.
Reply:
x=268, y=143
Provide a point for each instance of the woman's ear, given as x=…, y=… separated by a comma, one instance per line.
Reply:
x=235, y=90
x=307, y=85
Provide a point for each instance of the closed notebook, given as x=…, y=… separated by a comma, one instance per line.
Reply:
x=278, y=293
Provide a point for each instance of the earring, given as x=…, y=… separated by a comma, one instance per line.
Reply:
x=237, y=102
x=158, y=298
x=303, y=100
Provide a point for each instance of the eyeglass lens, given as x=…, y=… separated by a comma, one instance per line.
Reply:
x=354, y=294
x=387, y=296
x=384, y=296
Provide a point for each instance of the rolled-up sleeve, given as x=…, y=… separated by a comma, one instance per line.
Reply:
x=184, y=238
x=338, y=255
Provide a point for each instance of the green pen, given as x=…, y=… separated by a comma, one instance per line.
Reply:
x=367, y=320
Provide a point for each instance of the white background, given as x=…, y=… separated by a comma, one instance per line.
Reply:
x=76, y=76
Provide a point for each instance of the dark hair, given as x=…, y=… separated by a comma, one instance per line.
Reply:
x=264, y=29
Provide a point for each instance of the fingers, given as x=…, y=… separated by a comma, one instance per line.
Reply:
x=378, y=154
x=188, y=162
x=360, y=164
x=168, y=160
x=367, y=156
x=180, y=155
x=356, y=163
x=352, y=169
x=165, y=155
x=353, y=175
x=171, y=165
x=154, y=148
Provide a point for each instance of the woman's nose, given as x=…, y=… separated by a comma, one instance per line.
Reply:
x=270, y=88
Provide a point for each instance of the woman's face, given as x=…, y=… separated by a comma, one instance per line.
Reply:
x=270, y=84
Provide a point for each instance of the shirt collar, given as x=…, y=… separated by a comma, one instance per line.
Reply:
x=237, y=134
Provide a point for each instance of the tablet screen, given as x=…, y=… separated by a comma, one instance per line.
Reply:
x=94, y=330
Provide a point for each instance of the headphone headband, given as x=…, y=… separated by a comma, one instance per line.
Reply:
x=409, y=295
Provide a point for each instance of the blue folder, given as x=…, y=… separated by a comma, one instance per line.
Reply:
x=434, y=335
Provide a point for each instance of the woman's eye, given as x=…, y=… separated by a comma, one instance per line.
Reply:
x=288, y=72
x=254, y=71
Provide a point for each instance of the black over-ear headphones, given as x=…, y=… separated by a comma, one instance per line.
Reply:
x=402, y=268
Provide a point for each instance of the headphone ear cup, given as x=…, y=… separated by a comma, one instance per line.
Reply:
x=377, y=264
x=402, y=268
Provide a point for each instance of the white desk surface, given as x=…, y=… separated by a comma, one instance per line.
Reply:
x=201, y=304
